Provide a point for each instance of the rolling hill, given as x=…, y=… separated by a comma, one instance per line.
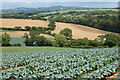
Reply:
x=24, y=9
x=79, y=31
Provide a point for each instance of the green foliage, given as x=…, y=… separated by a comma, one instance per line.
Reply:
x=60, y=41
x=6, y=39
x=42, y=41
x=83, y=47
x=111, y=40
x=67, y=32
x=103, y=47
x=17, y=44
x=27, y=28
x=28, y=42
x=94, y=43
x=53, y=62
x=17, y=27
x=34, y=39
x=110, y=43
x=108, y=22
x=83, y=42
x=52, y=24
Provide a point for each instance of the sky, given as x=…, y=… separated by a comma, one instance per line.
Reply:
x=60, y=0
x=10, y=4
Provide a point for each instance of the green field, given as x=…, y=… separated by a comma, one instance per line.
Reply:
x=15, y=40
x=32, y=49
x=52, y=62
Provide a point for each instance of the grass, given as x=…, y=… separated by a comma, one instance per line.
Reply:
x=32, y=49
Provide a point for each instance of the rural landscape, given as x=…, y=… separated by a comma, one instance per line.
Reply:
x=60, y=42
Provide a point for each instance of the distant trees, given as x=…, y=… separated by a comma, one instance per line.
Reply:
x=60, y=41
x=111, y=40
x=34, y=39
x=6, y=39
x=17, y=27
x=104, y=22
x=52, y=24
x=27, y=28
x=67, y=32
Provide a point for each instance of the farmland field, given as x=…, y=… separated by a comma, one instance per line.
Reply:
x=15, y=40
x=52, y=62
x=20, y=34
x=79, y=31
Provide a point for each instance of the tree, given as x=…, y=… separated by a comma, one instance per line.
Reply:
x=110, y=43
x=67, y=32
x=111, y=39
x=34, y=39
x=6, y=39
x=60, y=41
x=52, y=24
x=42, y=41
x=29, y=42
x=34, y=34
x=17, y=27
x=82, y=42
x=101, y=38
x=27, y=28
x=94, y=43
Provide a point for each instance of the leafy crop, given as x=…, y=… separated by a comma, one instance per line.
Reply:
x=60, y=64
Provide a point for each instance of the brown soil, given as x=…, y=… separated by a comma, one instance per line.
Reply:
x=10, y=68
x=115, y=9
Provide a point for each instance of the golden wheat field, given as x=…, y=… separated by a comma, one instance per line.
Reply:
x=79, y=31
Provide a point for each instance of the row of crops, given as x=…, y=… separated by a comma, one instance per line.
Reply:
x=73, y=64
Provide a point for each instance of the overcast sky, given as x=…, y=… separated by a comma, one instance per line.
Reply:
x=60, y=0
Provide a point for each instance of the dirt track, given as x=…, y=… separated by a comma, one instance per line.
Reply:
x=79, y=31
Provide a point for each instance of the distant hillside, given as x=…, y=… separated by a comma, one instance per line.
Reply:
x=117, y=8
x=23, y=9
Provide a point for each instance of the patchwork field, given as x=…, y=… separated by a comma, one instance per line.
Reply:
x=79, y=31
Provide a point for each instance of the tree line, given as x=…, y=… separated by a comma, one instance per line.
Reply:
x=64, y=39
x=104, y=22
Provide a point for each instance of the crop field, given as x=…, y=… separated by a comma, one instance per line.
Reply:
x=15, y=40
x=11, y=23
x=20, y=34
x=32, y=49
x=79, y=31
x=57, y=63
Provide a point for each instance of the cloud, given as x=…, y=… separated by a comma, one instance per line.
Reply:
x=60, y=0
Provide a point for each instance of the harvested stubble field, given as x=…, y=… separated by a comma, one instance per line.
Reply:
x=79, y=31
x=21, y=34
